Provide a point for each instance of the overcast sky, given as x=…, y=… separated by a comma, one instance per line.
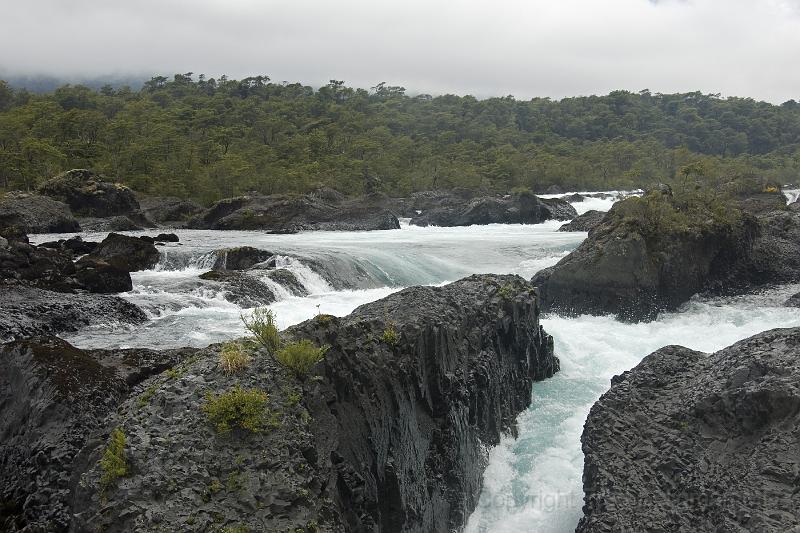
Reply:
x=526, y=48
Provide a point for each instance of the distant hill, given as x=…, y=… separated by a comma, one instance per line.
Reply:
x=46, y=84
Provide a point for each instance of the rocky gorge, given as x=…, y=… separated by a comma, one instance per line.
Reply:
x=390, y=430
x=397, y=439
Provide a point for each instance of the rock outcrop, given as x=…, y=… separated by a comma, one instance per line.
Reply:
x=54, y=399
x=26, y=311
x=585, y=222
x=400, y=422
x=518, y=208
x=688, y=441
x=240, y=288
x=127, y=253
x=387, y=433
x=290, y=214
x=648, y=256
x=169, y=211
x=793, y=301
x=88, y=195
x=32, y=213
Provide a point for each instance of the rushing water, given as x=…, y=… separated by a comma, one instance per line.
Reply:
x=532, y=483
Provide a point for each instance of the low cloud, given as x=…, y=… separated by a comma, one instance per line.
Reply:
x=522, y=47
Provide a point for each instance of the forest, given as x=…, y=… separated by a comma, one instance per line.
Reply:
x=205, y=138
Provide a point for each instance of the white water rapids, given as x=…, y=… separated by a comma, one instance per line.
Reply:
x=532, y=483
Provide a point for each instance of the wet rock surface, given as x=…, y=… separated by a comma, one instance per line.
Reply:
x=585, y=222
x=240, y=288
x=793, y=301
x=26, y=311
x=401, y=424
x=31, y=213
x=688, y=441
x=127, y=253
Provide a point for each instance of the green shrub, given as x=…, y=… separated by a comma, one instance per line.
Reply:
x=299, y=357
x=238, y=407
x=113, y=463
x=233, y=357
x=262, y=325
x=390, y=335
x=506, y=292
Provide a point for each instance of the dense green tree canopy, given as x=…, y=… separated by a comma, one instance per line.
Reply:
x=206, y=138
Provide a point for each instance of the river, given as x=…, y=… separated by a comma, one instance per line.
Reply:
x=532, y=483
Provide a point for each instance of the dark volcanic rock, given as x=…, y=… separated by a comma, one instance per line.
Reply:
x=127, y=253
x=240, y=288
x=585, y=222
x=388, y=434
x=693, y=442
x=519, y=208
x=793, y=301
x=166, y=237
x=32, y=213
x=54, y=398
x=287, y=280
x=289, y=214
x=98, y=276
x=402, y=426
x=240, y=258
x=638, y=261
x=88, y=195
x=75, y=245
x=26, y=311
x=133, y=221
x=169, y=210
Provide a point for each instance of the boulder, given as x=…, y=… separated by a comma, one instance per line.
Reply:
x=519, y=208
x=647, y=256
x=98, y=276
x=585, y=222
x=574, y=198
x=166, y=237
x=126, y=253
x=688, y=441
x=75, y=245
x=169, y=211
x=21, y=262
x=287, y=280
x=54, y=399
x=240, y=258
x=134, y=221
x=793, y=301
x=32, y=213
x=240, y=288
x=88, y=195
x=26, y=311
x=554, y=189
x=290, y=214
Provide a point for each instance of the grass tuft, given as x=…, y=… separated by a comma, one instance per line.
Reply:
x=233, y=357
x=238, y=407
x=299, y=357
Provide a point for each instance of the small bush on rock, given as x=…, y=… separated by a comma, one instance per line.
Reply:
x=390, y=335
x=238, y=407
x=114, y=463
x=233, y=357
x=299, y=357
x=262, y=325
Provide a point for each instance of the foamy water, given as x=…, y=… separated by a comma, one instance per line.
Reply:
x=532, y=483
